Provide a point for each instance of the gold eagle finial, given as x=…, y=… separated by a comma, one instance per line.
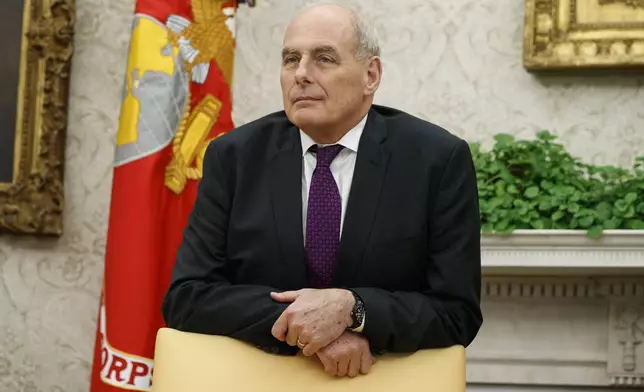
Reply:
x=209, y=37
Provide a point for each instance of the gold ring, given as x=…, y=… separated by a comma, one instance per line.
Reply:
x=300, y=344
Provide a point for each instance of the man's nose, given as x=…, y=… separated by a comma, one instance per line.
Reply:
x=302, y=72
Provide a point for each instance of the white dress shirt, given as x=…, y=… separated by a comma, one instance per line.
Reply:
x=342, y=168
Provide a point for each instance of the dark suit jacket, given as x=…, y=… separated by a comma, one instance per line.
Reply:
x=410, y=244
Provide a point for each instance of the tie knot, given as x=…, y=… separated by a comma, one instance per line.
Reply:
x=326, y=155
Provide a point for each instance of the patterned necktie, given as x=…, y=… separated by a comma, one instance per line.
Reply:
x=323, y=219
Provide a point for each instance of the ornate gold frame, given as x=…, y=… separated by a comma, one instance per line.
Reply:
x=33, y=203
x=560, y=34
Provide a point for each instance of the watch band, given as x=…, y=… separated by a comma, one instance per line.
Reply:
x=357, y=314
x=360, y=328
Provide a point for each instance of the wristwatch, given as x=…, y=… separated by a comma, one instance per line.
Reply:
x=357, y=313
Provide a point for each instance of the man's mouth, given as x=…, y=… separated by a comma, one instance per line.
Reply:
x=305, y=99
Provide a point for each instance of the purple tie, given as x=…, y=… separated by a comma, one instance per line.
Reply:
x=323, y=219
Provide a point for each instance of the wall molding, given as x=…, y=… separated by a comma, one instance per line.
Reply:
x=562, y=287
x=566, y=239
x=563, y=252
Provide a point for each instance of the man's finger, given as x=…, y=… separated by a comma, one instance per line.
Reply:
x=343, y=366
x=354, y=365
x=366, y=362
x=293, y=334
x=312, y=347
x=286, y=296
x=280, y=327
x=330, y=366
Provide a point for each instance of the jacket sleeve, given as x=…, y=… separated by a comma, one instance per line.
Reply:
x=201, y=297
x=448, y=311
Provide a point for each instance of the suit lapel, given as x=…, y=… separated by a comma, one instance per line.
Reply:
x=368, y=177
x=286, y=194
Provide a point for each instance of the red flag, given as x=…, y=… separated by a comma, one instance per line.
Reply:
x=177, y=99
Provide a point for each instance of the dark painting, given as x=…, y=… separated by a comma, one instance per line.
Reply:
x=11, y=35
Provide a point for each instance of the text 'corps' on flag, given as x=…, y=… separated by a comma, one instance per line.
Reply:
x=177, y=98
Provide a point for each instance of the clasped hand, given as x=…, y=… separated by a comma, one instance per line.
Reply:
x=317, y=321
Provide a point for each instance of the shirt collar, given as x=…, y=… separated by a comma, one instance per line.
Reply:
x=350, y=140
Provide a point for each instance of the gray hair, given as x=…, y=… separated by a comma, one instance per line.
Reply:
x=363, y=27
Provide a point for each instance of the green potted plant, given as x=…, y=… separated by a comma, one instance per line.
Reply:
x=538, y=185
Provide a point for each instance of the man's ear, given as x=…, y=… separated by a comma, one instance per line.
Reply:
x=374, y=75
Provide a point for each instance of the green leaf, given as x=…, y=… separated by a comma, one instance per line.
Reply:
x=587, y=212
x=546, y=136
x=509, y=229
x=545, y=205
x=487, y=228
x=538, y=224
x=595, y=232
x=545, y=184
x=586, y=221
x=621, y=205
x=501, y=225
x=558, y=190
x=604, y=211
x=640, y=208
x=635, y=224
x=612, y=224
x=495, y=202
x=574, y=208
x=557, y=215
x=531, y=192
x=503, y=139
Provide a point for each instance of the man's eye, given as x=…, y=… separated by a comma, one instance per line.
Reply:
x=290, y=60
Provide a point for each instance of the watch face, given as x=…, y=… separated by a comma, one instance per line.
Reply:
x=358, y=314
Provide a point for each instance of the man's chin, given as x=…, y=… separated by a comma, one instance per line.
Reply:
x=306, y=117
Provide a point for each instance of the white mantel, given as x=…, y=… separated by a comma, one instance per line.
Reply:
x=564, y=252
x=561, y=309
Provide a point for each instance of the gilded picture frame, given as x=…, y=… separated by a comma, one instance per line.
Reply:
x=577, y=34
x=31, y=183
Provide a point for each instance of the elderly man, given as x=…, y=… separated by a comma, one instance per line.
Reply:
x=336, y=227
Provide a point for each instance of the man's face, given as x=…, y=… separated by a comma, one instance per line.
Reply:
x=322, y=81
